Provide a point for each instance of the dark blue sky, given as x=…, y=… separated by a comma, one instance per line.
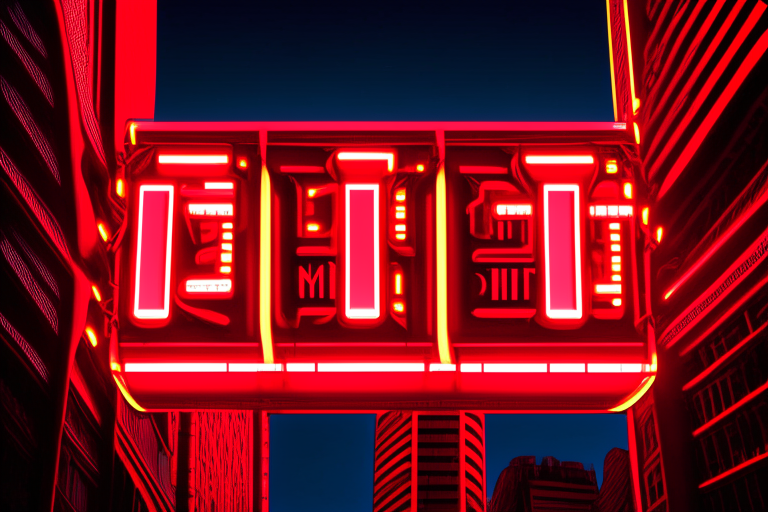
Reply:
x=383, y=60
x=228, y=60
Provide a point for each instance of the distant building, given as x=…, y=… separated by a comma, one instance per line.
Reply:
x=553, y=486
x=448, y=467
x=525, y=486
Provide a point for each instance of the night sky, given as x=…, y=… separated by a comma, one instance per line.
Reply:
x=227, y=60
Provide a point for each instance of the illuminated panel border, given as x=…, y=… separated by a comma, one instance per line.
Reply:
x=154, y=313
x=265, y=264
x=389, y=157
x=349, y=311
x=441, y=266
x=174, y=367
x=563, y=313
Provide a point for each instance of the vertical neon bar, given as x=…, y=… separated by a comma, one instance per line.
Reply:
x=562, y=251
x=610, y=56
x=153, y=252
x=361, y=274
x=265, y=257
x=441, y=259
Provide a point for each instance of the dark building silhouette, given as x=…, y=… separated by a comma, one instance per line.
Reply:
x=525, y=486
x=616, y=490
x=553, y=485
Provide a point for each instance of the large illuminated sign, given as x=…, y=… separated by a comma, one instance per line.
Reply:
x=492, y=266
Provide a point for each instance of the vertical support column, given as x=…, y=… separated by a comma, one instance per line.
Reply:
x=633, y=460
x=472, y=450
x=363, y=255
x=186, y=454
x=260, y=459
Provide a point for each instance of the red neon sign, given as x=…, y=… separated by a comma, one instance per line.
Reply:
x=470, y=272
x=562, y=251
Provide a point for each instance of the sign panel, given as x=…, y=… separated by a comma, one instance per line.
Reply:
x=360, y=265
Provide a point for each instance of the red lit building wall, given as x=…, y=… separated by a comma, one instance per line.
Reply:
x=69, y=441
x=701, y=433
x=428, y=461
x=690, y=93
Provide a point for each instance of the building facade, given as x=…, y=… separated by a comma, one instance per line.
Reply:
x=702, y=431
x=429, y=462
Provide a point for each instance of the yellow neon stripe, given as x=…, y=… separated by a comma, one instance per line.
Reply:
x=127, y=395
x=265, y=267
x=635, y=396
x=610, y=55
x=443, y=343
x=629, y=56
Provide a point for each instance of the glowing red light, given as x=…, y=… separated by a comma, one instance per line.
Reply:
x=192, y=159
x=219, y=185
x=361, y=279
x=208, y=285
x=559, y=159
x=153, y=252
x=255, y=367
x=300, y=367
x=211, y=210
x=389, y=157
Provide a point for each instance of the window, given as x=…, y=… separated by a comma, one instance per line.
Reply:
x=650, y=442
x=710, y=456
x=654, y=484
